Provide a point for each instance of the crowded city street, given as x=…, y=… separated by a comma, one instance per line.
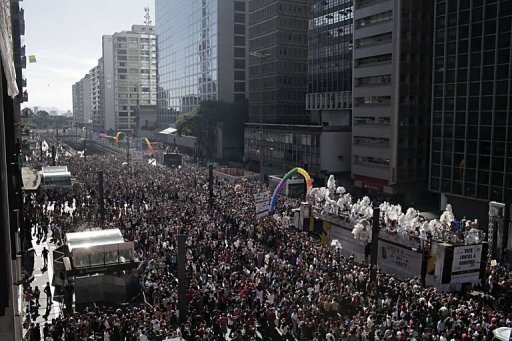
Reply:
x=248, y=279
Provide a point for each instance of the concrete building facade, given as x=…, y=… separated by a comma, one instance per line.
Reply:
x=202, y=54
x=278, y=41
x=392, y=55
x=134, y=74
x=97, y=116
x=329, y=97
x=300, y=87
x=108, y=105
x=82, y=101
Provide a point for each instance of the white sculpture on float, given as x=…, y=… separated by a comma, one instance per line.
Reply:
x=363, y=232
x=474, y=235
x=331, y=183
x=335, y=200
x=341, y=190
x=447, y=217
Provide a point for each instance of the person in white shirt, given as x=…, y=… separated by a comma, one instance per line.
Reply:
x=142, y=336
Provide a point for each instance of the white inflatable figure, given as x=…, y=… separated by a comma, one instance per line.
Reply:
x=348, y=201
x=366, y=213
x=362, y=232
x=423, y=231
x=341, y=204
x=331, y=183
x=341, y=190
x=323, y=193
x=401, y=230
x=384, y=208
x=472, y=236
x=447, y=217
x=366, y=201
x=313, y=194
x=331, y=204
x=410, y=220
x=327, y=208
x=318, y=194
x=393, y=213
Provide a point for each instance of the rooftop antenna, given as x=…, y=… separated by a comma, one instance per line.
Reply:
x=147, y=17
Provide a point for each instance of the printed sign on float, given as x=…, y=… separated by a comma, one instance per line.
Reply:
x=261, y=201
x=466, y=259
x=399, y=260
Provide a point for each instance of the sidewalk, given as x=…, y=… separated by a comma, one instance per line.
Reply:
x=40, y=279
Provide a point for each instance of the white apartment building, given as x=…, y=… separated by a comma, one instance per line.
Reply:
x=129, y=76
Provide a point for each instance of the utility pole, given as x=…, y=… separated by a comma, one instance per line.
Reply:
x=100, y=198
x=127, y=149
x=53, y=155
x=506, y=223
x=85, y=147
x=182, y=278
x=375, y=243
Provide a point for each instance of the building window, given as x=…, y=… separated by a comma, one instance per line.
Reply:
x=373, y=100
x=374, y=19
x=374, y=40
x=374, y=60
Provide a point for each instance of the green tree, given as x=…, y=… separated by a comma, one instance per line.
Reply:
x=203, y=120
x=187, y=124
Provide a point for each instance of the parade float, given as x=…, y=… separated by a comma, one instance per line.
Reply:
x=446, y=253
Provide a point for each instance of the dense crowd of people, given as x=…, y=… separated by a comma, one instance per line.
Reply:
x=248, y=279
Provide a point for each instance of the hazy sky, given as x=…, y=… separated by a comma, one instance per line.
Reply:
x=65, y=36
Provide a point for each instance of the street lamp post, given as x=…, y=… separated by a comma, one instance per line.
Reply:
x=260, y=57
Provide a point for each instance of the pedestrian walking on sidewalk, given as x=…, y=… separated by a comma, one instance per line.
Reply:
x=45, y=253
x=48, y=292
x=37, y=294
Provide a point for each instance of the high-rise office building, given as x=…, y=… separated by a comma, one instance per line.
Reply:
x=97, y=117
x=278, y=41
x=201, y=55
x=329, y=97
x=300, y=87
x=471, y=149
x=391, y=95
x=129, y=75
x=108, y=102
x=82, y=101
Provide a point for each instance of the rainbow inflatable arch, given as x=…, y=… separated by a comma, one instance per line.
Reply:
x=301, y=171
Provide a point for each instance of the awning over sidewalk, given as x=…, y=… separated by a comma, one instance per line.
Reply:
x=168, y=131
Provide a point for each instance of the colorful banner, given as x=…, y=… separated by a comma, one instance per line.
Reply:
x=150, y=147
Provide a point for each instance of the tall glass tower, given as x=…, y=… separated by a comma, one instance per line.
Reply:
x=471, y=149
x=201, y=54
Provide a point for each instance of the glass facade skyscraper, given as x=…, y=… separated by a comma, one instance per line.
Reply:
x=471, y=149
x=201, y=54
x=330, y=54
